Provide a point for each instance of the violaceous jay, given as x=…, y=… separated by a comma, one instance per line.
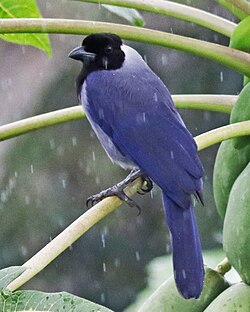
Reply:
x=134, y=117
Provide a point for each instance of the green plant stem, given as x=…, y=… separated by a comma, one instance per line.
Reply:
x=219, y=103
x=234, y=10
x=106, y=206
x=223, y=133
x=242, y=5
x=235, y=59
x=223, y=267
x=177, y=10
x=41, y=121
x=209, y=102
x=66, y=238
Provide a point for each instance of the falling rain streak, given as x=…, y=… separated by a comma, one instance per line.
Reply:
x=103, y=241
x=221, y=77
x=104, y=268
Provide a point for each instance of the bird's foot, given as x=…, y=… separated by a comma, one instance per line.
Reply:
x=146, y=186
x=118, y=190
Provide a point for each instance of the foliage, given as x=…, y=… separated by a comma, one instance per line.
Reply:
x=27, y=300
x=12, y=25
x=27, y=9
x=131, y=15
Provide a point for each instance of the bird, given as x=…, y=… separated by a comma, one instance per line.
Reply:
x=134, y=117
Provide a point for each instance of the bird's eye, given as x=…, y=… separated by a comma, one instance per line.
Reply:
x=108, y=50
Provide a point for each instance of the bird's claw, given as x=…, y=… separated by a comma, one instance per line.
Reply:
x=118, y=190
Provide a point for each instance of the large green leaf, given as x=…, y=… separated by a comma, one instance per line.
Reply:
x=24, y=9
x=7, y=275
x=240, y=38
x=131, y=15
x=29, y=300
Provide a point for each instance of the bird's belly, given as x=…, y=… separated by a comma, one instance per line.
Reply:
x=112, y=151
x=109, y=147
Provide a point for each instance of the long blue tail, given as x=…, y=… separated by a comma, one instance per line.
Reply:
x=186, y=246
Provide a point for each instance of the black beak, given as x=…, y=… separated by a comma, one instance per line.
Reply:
x=80, y=54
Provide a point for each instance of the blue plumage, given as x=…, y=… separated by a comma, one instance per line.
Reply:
x=134, y=117
x=187, y=257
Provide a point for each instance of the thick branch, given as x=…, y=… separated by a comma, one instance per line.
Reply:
x=106, y=206
x=73, y=232
x=223, y=133
x=219, y=103
x=237, y=60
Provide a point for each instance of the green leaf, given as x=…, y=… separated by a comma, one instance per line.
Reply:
x=240, y=38
x=130, y=15
x=24, y=9
x=29, y=300
x=7, y=275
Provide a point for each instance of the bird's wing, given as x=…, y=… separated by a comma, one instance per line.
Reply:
x=145, y=127
x=162, y=151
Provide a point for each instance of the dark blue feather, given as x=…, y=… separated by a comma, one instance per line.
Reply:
x=145, y=126
x=187, y=256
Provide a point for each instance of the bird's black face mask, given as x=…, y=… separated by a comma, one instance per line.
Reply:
x=100, y=52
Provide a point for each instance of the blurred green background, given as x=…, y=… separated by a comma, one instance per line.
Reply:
x=47, y=175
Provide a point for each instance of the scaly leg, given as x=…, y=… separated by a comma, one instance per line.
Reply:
x=118, y=190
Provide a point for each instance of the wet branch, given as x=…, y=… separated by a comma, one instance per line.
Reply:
x=232, y=58
x=105, y=207
x=177, y=10
x=219, y=103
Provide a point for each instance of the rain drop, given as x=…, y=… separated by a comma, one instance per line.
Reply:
x=104, y=268
x=164, y=59
x=31, y=169
x=103, y=298
x=152, y=194
x=216, y=38
x=103, y=241
x=155, y=97
x=63, y=183
x=117, y=262
x=137, y=256
x=184, y=274
x=74, y=141
x=105, y=63
x=221, y=77
x=23, y=49
x=23, y=250
x=97, y=181
x=27, y=199
x=52, y=144
x=4, y=197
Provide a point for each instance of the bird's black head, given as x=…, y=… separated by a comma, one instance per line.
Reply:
x=100, y=52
